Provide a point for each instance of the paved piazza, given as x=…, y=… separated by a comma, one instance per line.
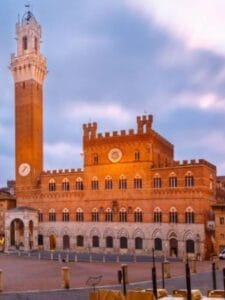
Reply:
x=31, y=274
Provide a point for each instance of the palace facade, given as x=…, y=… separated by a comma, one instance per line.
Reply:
x=131, y=195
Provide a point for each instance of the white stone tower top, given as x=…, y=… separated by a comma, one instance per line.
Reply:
x=28, y=63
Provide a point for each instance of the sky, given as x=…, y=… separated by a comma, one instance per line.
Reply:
x=109, y=61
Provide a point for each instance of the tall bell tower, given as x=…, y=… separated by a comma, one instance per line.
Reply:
x=28, y=68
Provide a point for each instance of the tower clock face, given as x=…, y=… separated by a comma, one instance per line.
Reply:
x=24, y=169
x=115, y=155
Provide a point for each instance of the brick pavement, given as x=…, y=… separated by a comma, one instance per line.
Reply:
x=31, y=274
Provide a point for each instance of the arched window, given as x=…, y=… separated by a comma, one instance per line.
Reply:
x=138, y=215
x=95, y=241
x=40, y=216
x=108, y=183
x=80, y=241
x=65, y=215
x=65, y=185
x=189, y=216
x=137, y=182
x=123, y=215
x=95, y=215
x=51, y=185
x=79, y=215
x=79, y=185
x=108, y=215
x=136, y=155
x=109, y=242
x=158, y=244
x=138, y=243
x=157, y=215
x=157, y=181
x=25, y=43
x=173, y=216
x=189, y=179
x=172, y=180
x=122, y=182
x=123, y=242
x=52, y=215
x=94, y=183
x=211, y=182
x=190, y=246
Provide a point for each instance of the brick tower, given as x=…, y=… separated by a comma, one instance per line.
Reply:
x=28, y=68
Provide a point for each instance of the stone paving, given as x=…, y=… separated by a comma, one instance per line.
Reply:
x=40, y=276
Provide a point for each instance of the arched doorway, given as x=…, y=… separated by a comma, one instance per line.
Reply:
x=173, y=247
x=66, y=242
x=17, y=233
x=52, y=242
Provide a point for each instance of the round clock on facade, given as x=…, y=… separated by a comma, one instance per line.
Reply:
x=115, y=155
x=24, y=169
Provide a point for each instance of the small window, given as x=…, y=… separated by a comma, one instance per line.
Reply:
x=52, y=215
x=136, y=155
x=95, y=215
x=40, y=216
x=138, y=215
x=108, y=215
x=25, y=43
x=122, y=183
x=35, y=44
x=157, y=215
x=157, y=181
x=173, y=180
x=95, y=159
x=52, y=185
x=79, y=215
x=189, y=180
x=65, y=215
x=108, y=183
x=123, y=215
x=173, y=215
x=189, y=216
x=79, y=185
x=65, y=185
x=137, y=182
x=221, y=220
x=94, y=184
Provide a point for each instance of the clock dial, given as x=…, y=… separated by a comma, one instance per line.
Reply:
x=24, y=169
x=115, y=155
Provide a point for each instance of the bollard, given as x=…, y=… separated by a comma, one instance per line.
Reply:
x=1, y=280
x=65, y=274
x=103, y=259
x=215, y=259
x=67, y=257
x=124, y=278
x=90, y=258
x=39, y=255
x=193, y=266
x=75, y=258
x=166, y=269
x=117, y=259
x=29, y=254
x=59, y=257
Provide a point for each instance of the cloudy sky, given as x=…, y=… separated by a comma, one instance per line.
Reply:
x=110, y=61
